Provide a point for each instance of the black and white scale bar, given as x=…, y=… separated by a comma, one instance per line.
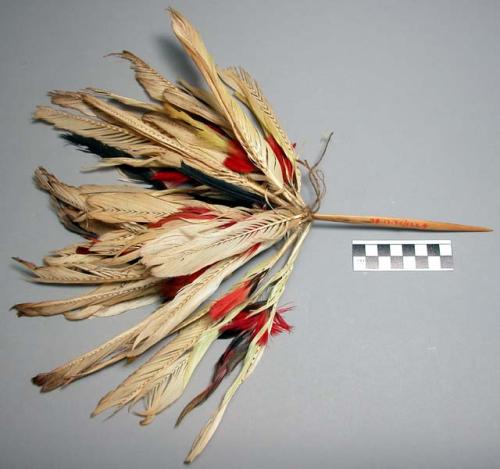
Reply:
x=401, y=255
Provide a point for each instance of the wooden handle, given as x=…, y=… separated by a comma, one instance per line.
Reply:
x=397, y=223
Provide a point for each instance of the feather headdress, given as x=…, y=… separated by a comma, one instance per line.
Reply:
x=224, y=186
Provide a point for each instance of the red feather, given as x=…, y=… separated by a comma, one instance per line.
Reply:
x=171, y=176
x=253, y=323
x=86, y=249
x=285, y=164
x=228, y=224
x=252, y=249
x=237, y=160
x=279, y=323
x=244, y=321
x=187, y=213
x=232, y=299
x=171, y=286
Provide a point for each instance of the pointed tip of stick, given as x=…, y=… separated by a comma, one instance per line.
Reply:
x=469, y=228
x=464, y=228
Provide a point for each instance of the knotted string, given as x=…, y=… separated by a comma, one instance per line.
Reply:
x=317, y=178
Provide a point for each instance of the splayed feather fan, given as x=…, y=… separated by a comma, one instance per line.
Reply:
x=222, y=190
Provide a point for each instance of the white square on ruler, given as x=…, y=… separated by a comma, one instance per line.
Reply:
x=359, y=263
x=371, y=250
x=434, y=263
x=384, y=263
x=396, y=250
x=445, y=249
x=409, y=263
x=421, y=249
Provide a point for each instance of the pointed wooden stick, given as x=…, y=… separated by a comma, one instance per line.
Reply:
x=397, y=223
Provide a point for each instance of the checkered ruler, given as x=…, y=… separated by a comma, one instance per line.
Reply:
x=401, y=255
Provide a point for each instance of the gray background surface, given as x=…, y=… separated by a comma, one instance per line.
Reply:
x=383, y=370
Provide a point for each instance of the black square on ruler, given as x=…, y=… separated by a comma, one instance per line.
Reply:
x=396, y=262
x=384, y=250
x=421, y=262
x=408, y=249
x=358, y=250
x=371, y=262
x=446, y=262
x=433, y=249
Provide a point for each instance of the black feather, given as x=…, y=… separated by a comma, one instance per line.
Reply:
x=91, y=145
x=225, y=187
x=141, y=174
x=229, y=360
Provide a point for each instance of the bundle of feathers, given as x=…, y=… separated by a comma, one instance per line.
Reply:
x=223, y=187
